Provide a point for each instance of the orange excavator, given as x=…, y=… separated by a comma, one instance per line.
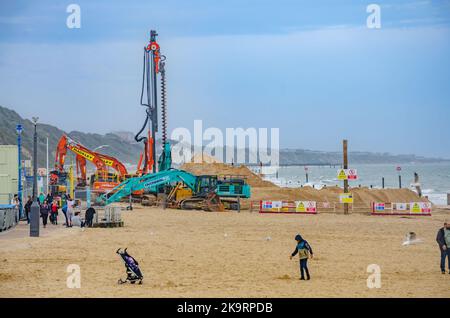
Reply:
x=101, y=181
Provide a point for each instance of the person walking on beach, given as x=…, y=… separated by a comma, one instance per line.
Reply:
x=304, y=251
x=44, y=209
x=27, y=208
x=54, y=213
x=443, y=240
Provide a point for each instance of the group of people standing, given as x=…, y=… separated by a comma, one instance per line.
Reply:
x=49, y=208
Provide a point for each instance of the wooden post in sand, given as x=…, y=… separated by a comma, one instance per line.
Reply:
x=345, y=146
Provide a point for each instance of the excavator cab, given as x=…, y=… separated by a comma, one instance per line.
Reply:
x=104, y=181
x=205, y=184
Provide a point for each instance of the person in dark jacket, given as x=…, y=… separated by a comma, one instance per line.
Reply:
x=304, y=251
x=45, y=210
x=443, y=240
x=89, y=215
x=27, y=208
x=49, y=199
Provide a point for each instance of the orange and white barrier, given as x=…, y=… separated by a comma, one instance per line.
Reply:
x=398, y=208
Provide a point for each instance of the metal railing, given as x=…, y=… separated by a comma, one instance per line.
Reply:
x=9, y=216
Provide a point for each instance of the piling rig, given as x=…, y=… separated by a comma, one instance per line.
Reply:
x=154, y=64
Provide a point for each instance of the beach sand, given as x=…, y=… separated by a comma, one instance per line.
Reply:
x=228, y=254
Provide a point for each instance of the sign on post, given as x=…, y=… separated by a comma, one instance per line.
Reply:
x=342, y=175
x=379, y=207
x=347, y=174
x=352, y=174
x=346, y=198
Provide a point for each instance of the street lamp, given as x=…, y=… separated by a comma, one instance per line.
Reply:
x=100, y=147
x=34, y=222
x=19, y=130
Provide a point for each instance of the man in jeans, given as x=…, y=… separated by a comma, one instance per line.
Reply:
x=443, y=239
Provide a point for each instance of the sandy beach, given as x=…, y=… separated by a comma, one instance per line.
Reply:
x=228, y=254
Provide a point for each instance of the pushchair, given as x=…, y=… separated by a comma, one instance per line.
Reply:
x=134, y=274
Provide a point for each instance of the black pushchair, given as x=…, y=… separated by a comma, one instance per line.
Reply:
x=132, y=267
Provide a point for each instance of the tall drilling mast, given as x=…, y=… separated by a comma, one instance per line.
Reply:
x=154, y=64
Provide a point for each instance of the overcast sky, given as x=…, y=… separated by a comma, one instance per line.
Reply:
x=311, y=68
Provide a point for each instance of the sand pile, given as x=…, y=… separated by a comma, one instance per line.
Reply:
x=265, y=190
x=224, y=169
x=203, y=158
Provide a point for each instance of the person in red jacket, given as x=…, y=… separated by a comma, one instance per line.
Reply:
x=54, y=213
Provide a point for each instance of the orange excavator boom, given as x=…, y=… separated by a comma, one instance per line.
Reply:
x=82, y=154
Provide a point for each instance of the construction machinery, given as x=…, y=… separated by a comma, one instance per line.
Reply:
x=153, y=64
x=102, y=180
x=205, y=192
x=179, y=188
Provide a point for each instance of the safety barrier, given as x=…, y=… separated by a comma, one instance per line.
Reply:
x=9, y=216
x=110, y=216
x=296, y=207
x=397, y=208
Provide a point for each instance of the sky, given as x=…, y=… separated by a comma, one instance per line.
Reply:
x=313, y=69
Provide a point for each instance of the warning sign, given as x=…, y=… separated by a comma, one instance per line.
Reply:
x=420, y=207
x=379, y=207
x=266, y=205
x=352, y=174
x=277, y=205
x=401, y=206
x=415, y=207
x=300, y=206
x=346, y=198
x=306, y=206
x=347, y=174
x=342, y=175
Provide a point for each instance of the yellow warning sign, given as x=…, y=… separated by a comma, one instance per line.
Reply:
x=300, y=207
x=346, y=198
x=342, y=175
x=416, y=208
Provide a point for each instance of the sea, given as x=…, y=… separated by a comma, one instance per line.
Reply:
x=434, y=178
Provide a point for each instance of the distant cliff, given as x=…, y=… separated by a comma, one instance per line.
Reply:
x=121, y=145
x=117, y=146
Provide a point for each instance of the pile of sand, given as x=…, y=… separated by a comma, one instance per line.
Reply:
x=203, y=158
x=265, y=190
x=224, y=169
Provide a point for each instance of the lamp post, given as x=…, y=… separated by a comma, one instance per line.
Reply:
x=19, y=130
x=34, y=223
x=100, y=147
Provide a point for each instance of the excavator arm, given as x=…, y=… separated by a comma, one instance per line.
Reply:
x=61, y=152
x=114, y=163
x=149, y=182
x=82, y=154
